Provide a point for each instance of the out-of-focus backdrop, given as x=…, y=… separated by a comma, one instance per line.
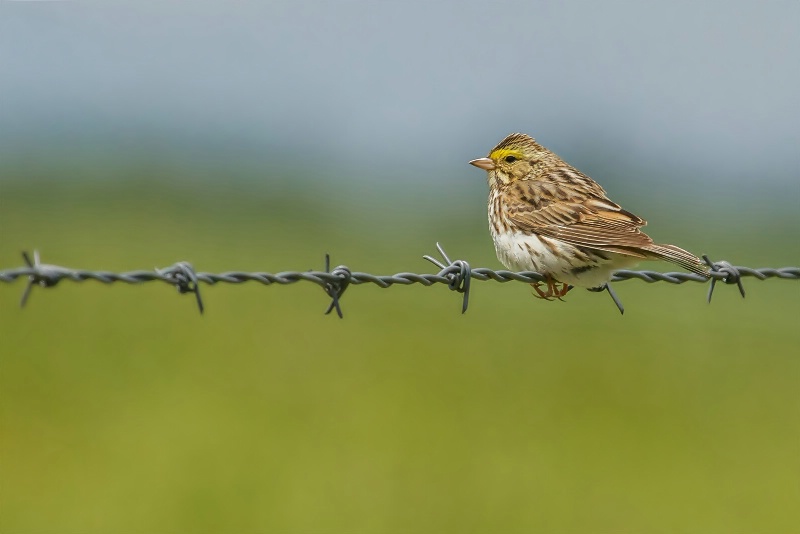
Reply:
x=261, y=135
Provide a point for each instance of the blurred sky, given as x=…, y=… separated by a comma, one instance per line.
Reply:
x=704, y=92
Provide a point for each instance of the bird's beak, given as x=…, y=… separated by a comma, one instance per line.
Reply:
x=483, y=163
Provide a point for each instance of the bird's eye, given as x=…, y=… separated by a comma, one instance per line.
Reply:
x=510, y=159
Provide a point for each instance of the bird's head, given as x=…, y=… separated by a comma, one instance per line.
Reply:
x=511, y=160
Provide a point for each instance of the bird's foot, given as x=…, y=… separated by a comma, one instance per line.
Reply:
x=552, y=289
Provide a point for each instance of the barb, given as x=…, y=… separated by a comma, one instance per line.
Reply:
x=456, y=274
x=730, y=275
x=612, y=294
x=42, y=275
x=335, y=288
x=185, y=280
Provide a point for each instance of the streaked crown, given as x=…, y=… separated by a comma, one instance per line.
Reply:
x=516, y=145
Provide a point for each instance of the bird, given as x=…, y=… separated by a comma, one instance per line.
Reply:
x=546, y=216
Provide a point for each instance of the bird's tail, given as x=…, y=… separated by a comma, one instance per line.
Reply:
x=677, y=255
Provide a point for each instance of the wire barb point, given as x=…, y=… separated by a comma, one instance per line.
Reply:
x=729, y=275
x=336, y=288
x=612, y=294
x=183, y=276
x=41, y=275
x=458, y=274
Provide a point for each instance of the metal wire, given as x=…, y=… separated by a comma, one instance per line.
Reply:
x=456, y=274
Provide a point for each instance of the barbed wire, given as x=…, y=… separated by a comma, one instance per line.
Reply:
x=456, y=274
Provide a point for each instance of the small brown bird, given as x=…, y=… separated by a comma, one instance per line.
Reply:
x=548, y=217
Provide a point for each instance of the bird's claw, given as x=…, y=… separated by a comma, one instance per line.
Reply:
x=552, y=290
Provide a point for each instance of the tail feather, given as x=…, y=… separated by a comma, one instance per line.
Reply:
x=678, y=256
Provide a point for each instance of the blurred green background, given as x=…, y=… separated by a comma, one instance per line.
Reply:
x=130, y=140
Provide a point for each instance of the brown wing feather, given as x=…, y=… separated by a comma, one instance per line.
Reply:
x=584, y=219
x=574, y=209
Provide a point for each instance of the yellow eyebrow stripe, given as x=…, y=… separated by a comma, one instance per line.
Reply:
x=501, y=153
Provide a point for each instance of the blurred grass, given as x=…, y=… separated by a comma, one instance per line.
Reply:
x=123, y=410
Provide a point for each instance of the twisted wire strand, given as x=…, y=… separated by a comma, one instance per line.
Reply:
x=52, y=274
x=456, y=274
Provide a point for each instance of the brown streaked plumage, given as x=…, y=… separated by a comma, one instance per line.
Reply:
x=548, y=217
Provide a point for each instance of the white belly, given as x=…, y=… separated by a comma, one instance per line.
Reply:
x=527, y=252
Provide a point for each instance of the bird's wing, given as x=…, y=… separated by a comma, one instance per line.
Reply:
x=583, y=218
